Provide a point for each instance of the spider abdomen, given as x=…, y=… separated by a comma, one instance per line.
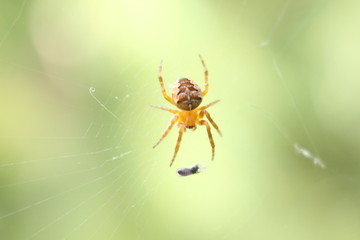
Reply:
x=186, y=94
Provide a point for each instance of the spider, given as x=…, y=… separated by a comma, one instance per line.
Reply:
x=187, y=96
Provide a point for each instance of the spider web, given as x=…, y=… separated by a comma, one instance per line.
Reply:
x=77, y=128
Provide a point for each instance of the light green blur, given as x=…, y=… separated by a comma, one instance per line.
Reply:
x=76, y=127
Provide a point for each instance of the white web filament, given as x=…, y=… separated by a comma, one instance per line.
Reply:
x=306, y=153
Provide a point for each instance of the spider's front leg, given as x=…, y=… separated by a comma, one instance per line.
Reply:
x=181, y=131
x=204, y=122
x=207, y=114
x=167, y=130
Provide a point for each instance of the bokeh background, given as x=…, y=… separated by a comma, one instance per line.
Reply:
x=77, y=130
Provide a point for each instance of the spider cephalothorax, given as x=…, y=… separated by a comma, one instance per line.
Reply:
x=187, y=96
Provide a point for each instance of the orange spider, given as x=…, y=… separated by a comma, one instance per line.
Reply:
x=187, y=96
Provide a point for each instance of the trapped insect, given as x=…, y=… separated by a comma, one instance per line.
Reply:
x=187, y=96
x=183, y=172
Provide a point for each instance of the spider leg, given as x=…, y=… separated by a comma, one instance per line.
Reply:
x=209, y=105
x=166, y=96
x=167, y=130
x=207, y=114
x=165, y=108
x=181, y=131
x=206, y=77
x=204, y=122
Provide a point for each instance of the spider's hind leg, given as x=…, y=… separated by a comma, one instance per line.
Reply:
x=166, y=96
x=206, y=72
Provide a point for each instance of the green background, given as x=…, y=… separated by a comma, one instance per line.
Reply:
x=79, y=164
